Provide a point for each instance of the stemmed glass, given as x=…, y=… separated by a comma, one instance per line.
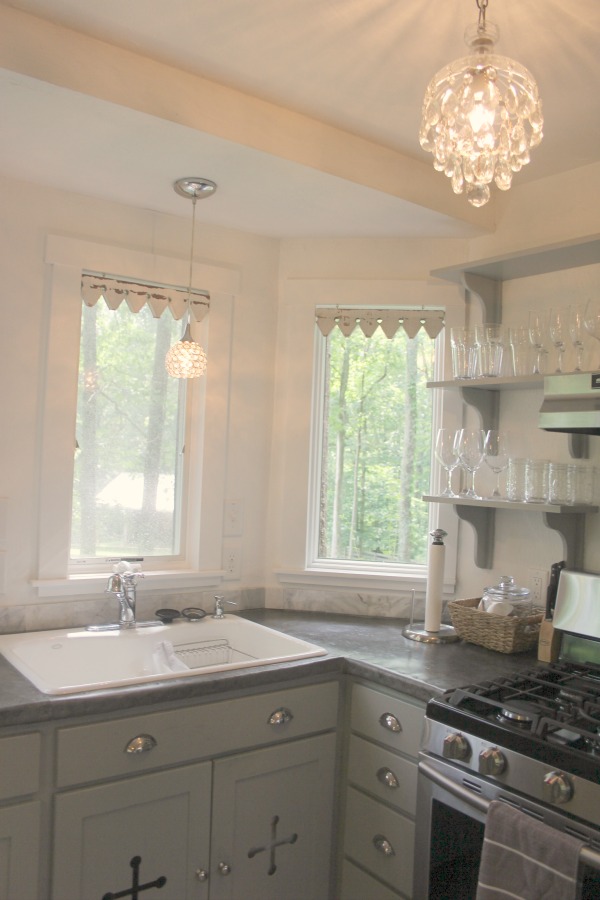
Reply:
x=576, y=333
x=469, y=444
x=496, y=454
x=538, y=327
x=557, y=328
x=446, y=454
x=591, y=319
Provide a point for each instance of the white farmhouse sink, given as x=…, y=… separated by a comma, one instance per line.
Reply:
x=66, y=661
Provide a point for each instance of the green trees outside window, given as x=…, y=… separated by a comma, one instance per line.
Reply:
x=376, y=450
x=130, y=420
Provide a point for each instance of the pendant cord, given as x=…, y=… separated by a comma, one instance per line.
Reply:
x=189, y=309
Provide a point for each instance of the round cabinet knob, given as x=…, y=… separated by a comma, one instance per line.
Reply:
x=201, y=875
x=141, y=744
x=557, y=787
x=492, y=761
x=382, y=844
x=224, y=869
x=456, y=747
x=387, y=777
x=387, y=720
x=280, y=717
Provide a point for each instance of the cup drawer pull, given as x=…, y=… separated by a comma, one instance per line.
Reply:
x=280, y=717
x=141, y=744
x=387, y=720
x=387, y=777
x=382, y=844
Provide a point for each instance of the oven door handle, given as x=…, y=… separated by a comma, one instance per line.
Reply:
x=457, y=790
x=587, y=855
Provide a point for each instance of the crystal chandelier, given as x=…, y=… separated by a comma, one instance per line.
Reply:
x=481, y=116
x=186, y=358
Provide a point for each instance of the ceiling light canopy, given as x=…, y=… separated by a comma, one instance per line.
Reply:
x=186, y=358
x=481, y=116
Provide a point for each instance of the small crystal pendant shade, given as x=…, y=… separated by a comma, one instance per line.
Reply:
x=186, y=358
x=481, y=116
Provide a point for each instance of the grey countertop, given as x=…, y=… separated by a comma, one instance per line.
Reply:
x=371, y=648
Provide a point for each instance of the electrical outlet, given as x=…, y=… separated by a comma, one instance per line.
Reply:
x=538, y=585
x=232, y=561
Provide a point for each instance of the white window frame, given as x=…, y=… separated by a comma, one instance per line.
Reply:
x=200, y=562
x=300, y=339
x=314, y=562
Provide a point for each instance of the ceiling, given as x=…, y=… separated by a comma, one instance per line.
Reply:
x=316, y=132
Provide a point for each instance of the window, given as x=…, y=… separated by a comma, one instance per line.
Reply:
x=129, y=473
x=193, y=482
x=375, y=421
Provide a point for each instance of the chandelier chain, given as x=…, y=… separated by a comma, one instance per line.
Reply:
x=481, y=6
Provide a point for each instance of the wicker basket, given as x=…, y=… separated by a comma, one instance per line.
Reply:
x=506, y=634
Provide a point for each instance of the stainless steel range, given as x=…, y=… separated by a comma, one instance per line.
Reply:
x=531, y=740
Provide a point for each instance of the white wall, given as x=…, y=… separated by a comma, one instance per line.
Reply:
x=259, y=431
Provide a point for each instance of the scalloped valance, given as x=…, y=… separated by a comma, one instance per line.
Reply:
x=389, y=320
x=138, y=294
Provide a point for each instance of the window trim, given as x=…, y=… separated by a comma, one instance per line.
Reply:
x=315, y=563
x=201, y=565
x=297, y=355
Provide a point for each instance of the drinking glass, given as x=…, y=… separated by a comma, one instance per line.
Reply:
x=489, y=341
x=576, y=333
x=470, y=453
x=521, y=350
x=557, y=329
x=591, y=319
x=446, y=454
x=538, y=335
x=464, y=356
x=496, y=454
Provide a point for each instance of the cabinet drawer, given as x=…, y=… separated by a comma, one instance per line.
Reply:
x=357, y=885
x=389, y=777
x=387, y=719
x=372, y=828
x=99, y=750
x=19, y=765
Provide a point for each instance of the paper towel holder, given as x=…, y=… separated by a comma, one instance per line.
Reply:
x=444, y=634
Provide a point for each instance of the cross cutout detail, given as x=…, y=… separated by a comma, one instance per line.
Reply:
x=136, y=888
x=272, y=846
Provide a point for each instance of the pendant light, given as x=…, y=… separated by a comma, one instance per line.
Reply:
x=186, y=358
x=481, y=116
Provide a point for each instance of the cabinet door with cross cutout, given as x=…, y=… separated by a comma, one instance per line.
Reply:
x=272, y=823
x=142, y=838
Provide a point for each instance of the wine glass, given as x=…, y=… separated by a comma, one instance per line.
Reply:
x=446, y=454
x=469, y=444
x=576, y=334
x=496, y=453
x=591, y=318
x=557, y=328
x=538, y=333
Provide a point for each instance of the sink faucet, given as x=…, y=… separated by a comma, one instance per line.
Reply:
x=122, y=584
x=219, y=601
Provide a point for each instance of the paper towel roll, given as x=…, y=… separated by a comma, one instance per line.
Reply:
x=435, y=581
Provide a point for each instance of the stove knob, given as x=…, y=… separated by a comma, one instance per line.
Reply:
x=557, y=788
x=492, y=761
x=456, y=747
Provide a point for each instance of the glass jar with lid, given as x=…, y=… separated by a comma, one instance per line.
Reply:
x=507, y=598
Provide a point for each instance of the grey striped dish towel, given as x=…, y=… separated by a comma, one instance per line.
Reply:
x=524, y=859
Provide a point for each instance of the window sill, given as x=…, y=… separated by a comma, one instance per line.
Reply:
x=93, y=583
x=342, y=578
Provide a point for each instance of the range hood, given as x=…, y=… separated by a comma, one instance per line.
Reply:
x=571, y=403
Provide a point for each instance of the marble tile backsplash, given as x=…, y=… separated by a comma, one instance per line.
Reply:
x=101, y=610
x=353, y=603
